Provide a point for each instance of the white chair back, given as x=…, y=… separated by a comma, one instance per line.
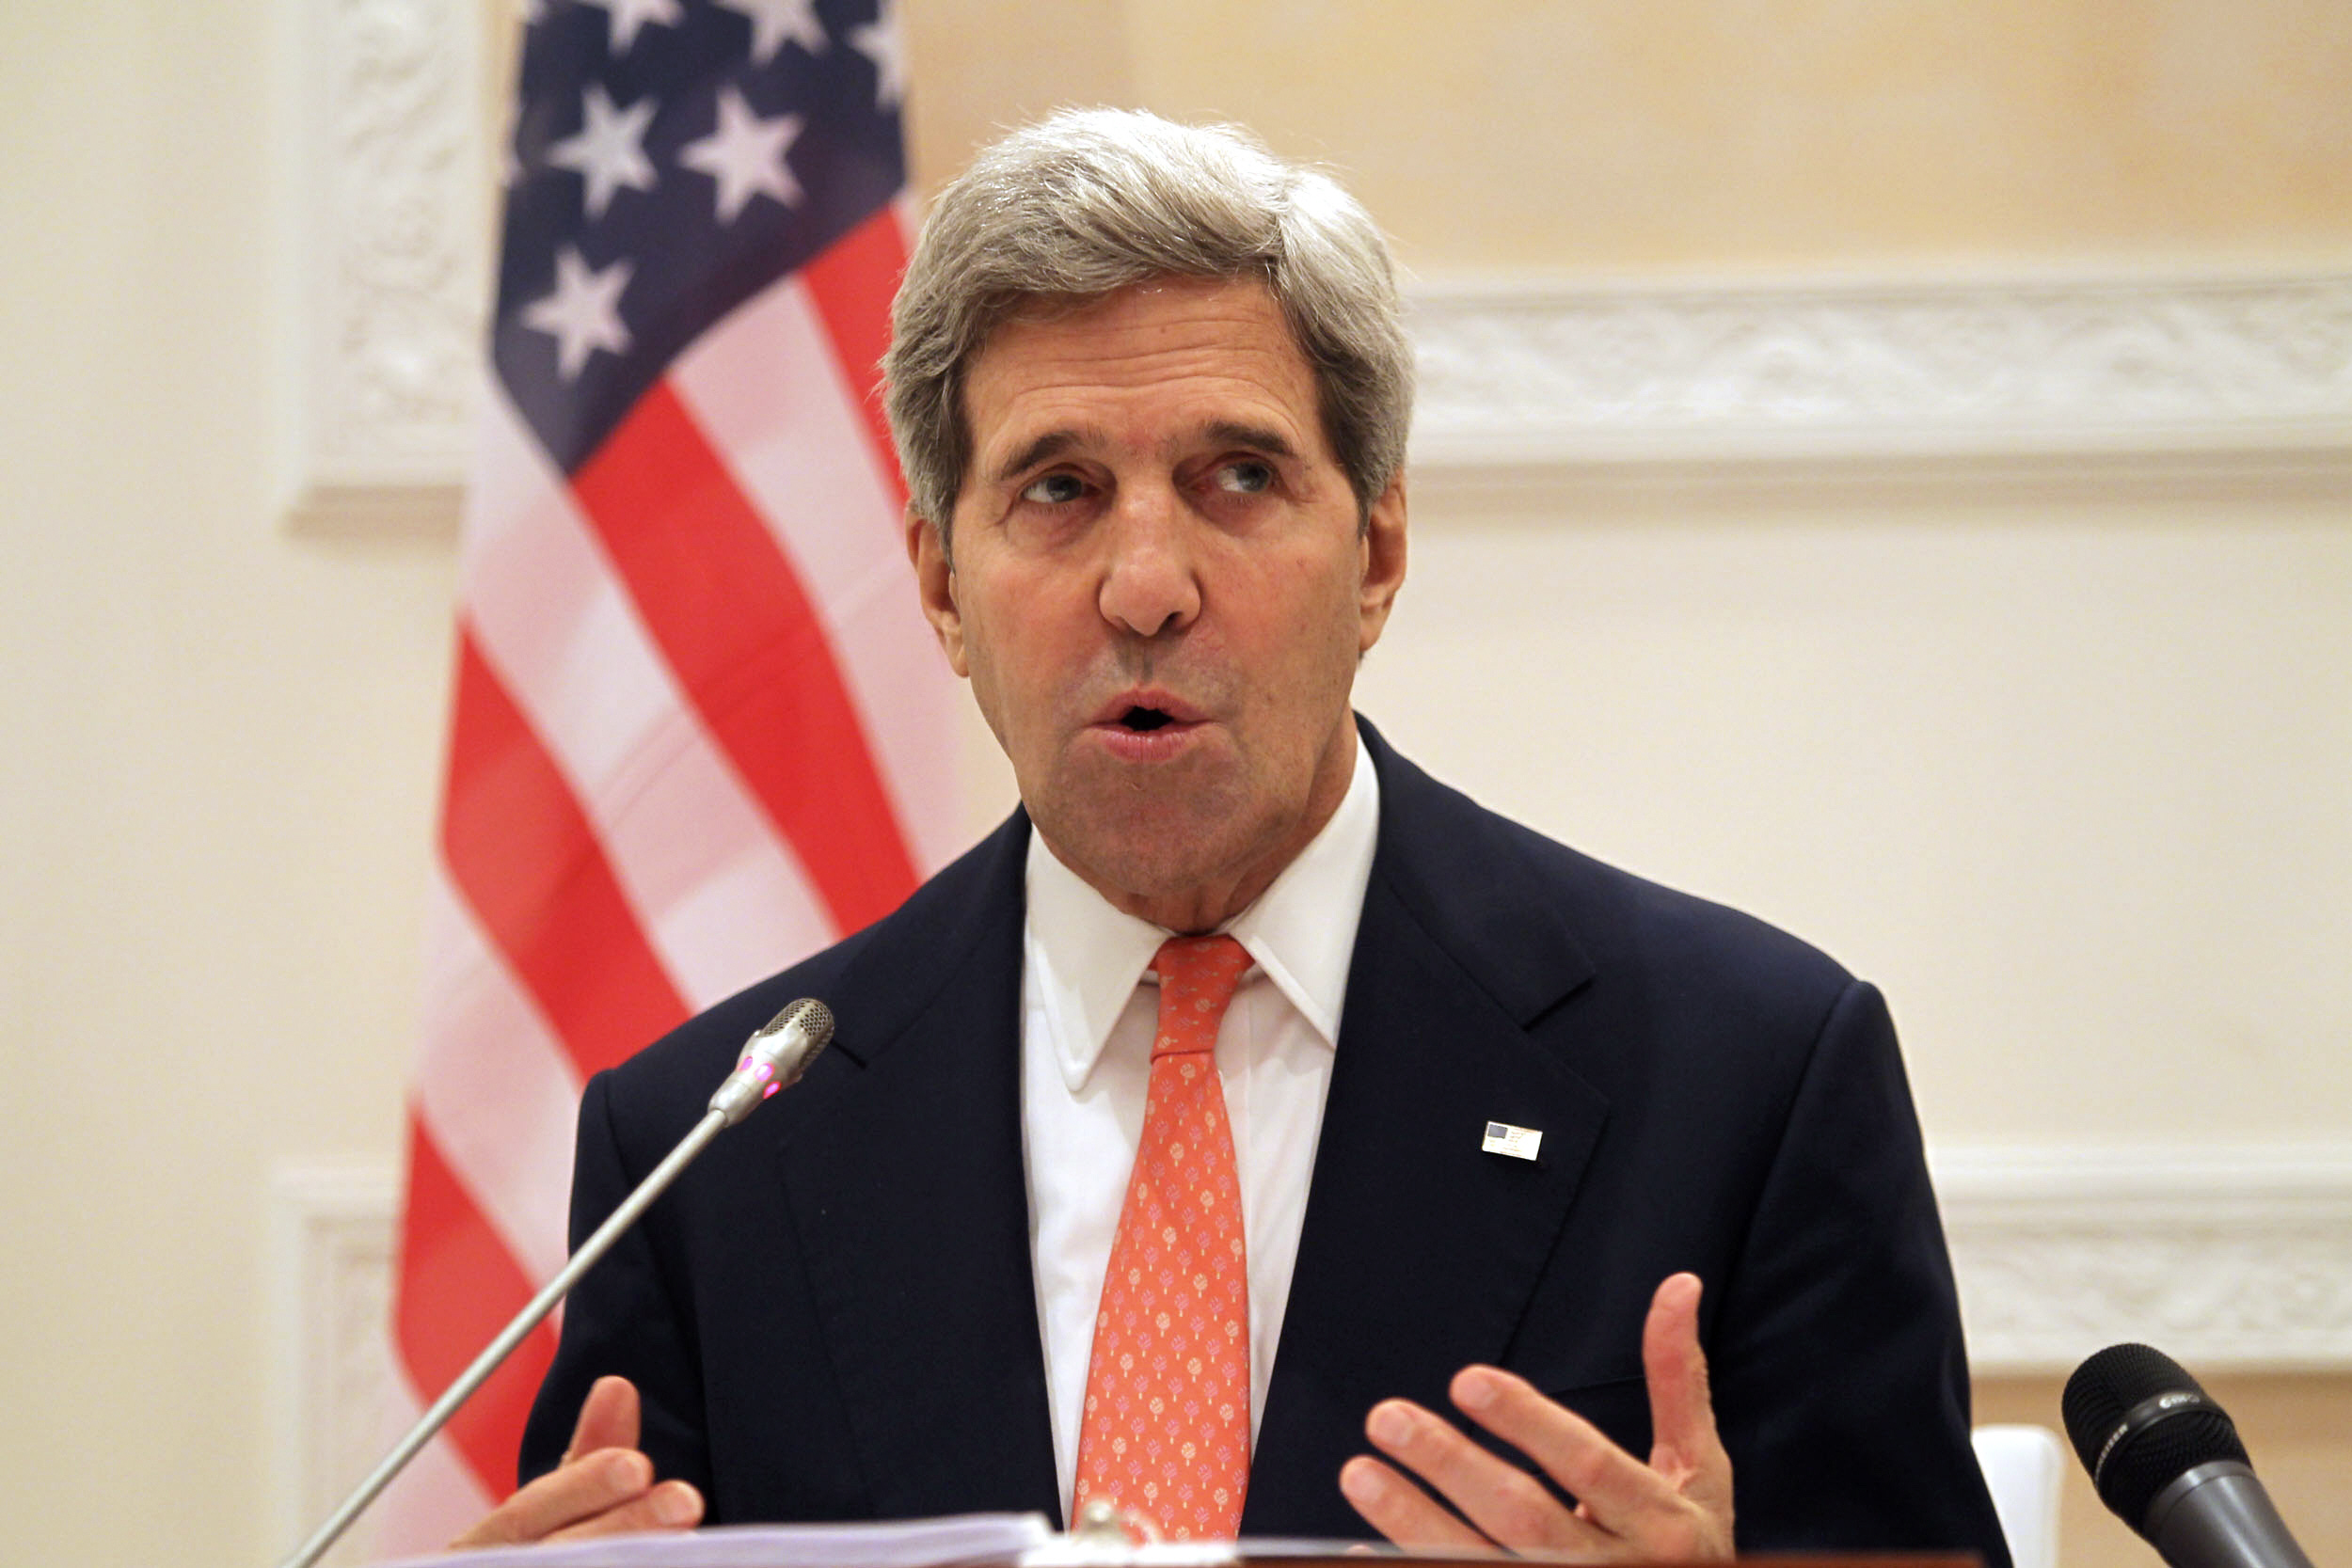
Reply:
x=2025, y=1465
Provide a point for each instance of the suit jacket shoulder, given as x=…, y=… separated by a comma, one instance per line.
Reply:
x=1536, y=918
x=877, y=981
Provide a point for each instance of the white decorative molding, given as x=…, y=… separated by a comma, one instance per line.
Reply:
x=329, y=1361
x=2223, y=1257
x=392, y=239
x=1557, y=377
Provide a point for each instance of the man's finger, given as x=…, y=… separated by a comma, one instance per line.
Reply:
x=1616, y=1492
x=1402, y=1512
x=1686, y=1449
x=1496, y=1496
x=1683, y=1414
x=578, y=1490
x=607, y=1419
x=672, y=1505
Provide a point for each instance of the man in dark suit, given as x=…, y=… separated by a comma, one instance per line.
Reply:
x=1150, y=394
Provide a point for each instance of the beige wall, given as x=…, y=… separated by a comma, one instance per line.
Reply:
x=1625, y=134
x=218, y=765
x=2065, y=771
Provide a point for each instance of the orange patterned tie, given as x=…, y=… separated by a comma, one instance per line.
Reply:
x=1166, y=1428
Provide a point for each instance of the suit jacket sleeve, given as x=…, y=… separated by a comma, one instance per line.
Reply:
x=1841, y=1385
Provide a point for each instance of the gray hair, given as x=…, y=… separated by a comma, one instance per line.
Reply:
x=1092, y=200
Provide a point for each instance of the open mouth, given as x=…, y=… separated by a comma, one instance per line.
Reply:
x=1147, y=723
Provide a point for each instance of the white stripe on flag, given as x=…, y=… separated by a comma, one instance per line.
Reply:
x=496, y=1088
x=434, y=1499
x=765, y=386
x=720, y=894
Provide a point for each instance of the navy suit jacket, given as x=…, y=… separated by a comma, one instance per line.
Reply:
x=831, y=1315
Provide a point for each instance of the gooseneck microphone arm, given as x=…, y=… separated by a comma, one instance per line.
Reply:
x=772, y=1059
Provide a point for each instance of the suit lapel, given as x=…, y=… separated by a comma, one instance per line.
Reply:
x=1420, y=1250
x=907, y=1196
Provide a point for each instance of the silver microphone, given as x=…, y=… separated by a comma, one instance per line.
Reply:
x=773, y=1058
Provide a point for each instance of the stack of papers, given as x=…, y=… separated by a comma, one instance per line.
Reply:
x=965, y=1538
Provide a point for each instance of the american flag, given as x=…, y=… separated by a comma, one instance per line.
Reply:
x=700, y=727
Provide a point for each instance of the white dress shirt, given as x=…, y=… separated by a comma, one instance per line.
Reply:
x=1089, y=1006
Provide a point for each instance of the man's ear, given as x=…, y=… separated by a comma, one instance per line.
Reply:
x=1383, y=546
x=935, y=584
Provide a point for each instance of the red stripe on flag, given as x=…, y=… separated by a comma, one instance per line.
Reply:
x=529, y=865
x=728, y=611
x=851, y=284
x=459, y=1286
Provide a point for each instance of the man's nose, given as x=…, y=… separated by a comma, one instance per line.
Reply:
x=1150, y=580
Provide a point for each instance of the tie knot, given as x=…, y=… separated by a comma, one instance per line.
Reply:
x=1196, y=979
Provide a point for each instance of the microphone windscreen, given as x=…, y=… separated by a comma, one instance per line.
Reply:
x=814, y=1017
x=2129, y=1473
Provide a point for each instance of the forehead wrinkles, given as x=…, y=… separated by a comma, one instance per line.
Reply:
x=1158, y=367
x=1036, y=434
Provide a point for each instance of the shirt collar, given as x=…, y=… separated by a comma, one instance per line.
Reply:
x=1088, y=957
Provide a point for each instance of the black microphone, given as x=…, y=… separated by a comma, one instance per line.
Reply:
x=2168, y=1461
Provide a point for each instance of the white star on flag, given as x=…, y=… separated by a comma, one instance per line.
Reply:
x=585, y=312
x=776, y=23
x=878, y=42
x=608, y=150
x=745, y=155
x=624, y=17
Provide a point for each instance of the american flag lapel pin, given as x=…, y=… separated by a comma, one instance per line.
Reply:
x=1519, y=1143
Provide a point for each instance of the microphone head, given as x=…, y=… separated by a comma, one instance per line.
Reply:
x=812, y=1018
x=774, y=1057
x=2137, y=1420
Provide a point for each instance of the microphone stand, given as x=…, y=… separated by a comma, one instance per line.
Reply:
x=776, y=1056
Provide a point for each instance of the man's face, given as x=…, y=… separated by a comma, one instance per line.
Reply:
x=1160, y=590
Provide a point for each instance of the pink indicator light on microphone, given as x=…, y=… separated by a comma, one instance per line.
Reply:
x=770, y=1090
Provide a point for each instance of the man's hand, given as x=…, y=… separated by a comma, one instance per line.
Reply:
x=1675, y=1508
x=604, y=1486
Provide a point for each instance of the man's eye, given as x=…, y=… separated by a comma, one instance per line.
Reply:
x=1247, y=476
x=1054, y=489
